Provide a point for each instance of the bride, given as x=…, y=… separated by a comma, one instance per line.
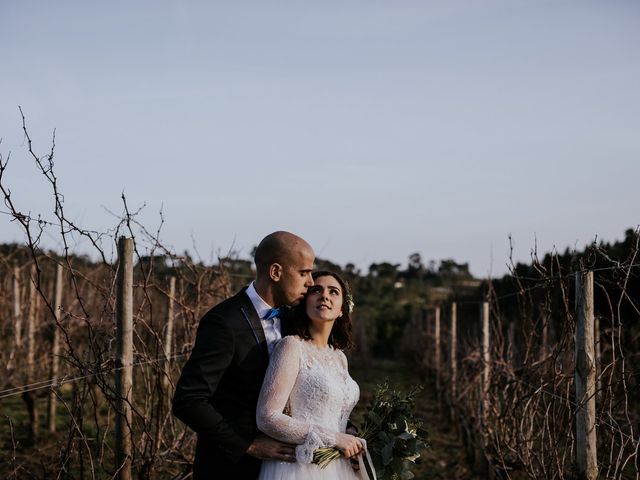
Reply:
x=308, y=379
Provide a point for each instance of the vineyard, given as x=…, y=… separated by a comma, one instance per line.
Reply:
x=541, y=376
x=538, y=371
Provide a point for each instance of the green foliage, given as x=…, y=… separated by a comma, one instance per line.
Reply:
x=388, y=297
x=393, y=433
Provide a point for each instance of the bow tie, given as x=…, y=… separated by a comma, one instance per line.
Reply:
x=275, y=312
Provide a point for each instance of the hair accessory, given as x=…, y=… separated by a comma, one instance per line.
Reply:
x=350, y=304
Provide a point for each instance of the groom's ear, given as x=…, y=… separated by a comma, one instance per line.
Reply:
x=275, y=272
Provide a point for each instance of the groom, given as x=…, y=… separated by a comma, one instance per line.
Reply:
x=218, y=389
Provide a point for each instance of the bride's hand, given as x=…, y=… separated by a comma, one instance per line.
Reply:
x=349, y=445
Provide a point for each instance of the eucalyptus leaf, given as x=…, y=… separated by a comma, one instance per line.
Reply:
x=387, y=454
x=398, y=465
x=413, y=445
x=384, y=437
x=375, y=418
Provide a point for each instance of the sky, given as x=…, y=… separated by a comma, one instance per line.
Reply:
x=373, y=129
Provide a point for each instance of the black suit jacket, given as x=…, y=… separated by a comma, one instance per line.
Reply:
x=218, y=390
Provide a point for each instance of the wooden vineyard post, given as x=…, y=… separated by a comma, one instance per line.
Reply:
x=27, y=396
x=511, y=344
x=124, y=357
x=168, y=341
x=55, y=349
x=453, y=351
x=544, y=341
x=453, y=331
x=164, y=399
x=586, y=449
x=425, y=334
x=598, y=356
x=17, y=314
x=17, y=318
x=436, y=347
x=479, y=459
x=486, y=361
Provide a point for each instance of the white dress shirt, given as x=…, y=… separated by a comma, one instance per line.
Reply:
x=272, y=332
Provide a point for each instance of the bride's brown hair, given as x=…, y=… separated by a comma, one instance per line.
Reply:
x=341, y=336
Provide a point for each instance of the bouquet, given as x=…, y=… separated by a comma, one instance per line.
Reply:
x=394, y=436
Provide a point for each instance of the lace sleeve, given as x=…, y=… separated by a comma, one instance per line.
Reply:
x=279, y=380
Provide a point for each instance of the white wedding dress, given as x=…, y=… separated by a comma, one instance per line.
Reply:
x=312, y=384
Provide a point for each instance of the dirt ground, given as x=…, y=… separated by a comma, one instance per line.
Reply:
x=445, y=457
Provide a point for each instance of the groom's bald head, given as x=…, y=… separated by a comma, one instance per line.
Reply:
x=283, y=262
x=279, y=247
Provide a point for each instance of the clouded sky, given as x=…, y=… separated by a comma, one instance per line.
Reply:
x=374, y=129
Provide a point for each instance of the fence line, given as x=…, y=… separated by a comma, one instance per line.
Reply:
x=517, y=430
x=57, y=382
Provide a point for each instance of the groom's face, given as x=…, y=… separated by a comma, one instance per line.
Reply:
x=296, y=277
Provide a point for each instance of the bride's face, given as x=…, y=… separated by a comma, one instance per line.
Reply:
x=324, y=299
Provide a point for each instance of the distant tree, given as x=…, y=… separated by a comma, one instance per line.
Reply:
x=351, y=269
x=449, y=268
x=384, y=270
x=158, y=263
x=415, y=268
x=322, y=264
x=432, y=266
x=237, y=265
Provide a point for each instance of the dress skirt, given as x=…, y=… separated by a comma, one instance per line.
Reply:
x=338, y=469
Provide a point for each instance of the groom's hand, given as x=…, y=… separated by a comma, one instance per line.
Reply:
x=266, y=448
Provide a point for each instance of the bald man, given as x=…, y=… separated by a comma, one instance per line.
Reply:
x=218, y=389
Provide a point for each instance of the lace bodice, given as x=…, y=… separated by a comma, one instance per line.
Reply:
x=314, y=386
